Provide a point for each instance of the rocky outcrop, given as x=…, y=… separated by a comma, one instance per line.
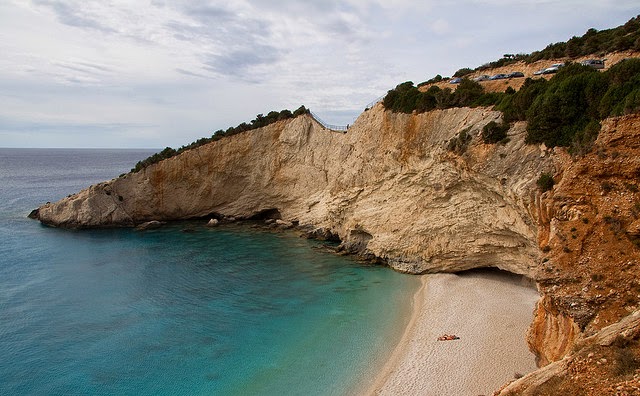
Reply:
x=150, y=225
x=388, y=188
x=602, y=364
x=589, y=269
x=552, y=333
x=391, y=189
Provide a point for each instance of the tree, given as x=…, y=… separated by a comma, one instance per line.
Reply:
x=463, y=72
x=494, y=132
x=545, y=182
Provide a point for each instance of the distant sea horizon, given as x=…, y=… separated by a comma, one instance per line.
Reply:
x=223, y=311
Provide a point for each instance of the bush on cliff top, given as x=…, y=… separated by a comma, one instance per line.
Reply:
x=566, y=110
x=563, y=111
x=259, y=122
x=406, y=98
x=494, y=132
x=622, y=38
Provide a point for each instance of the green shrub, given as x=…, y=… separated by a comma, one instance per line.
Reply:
x=489, y=99
x=583, y=140
x=621, y=38
x=405, y=98
x=607, y=187
x=463, y=72
x=563, y=111
x=545, y=182
x=260, y=121
x=426, y=101
x=506, y=59
x=402, y=98
x=566, y=110
x=514, y=107
x=433, y=80
x=631, y=187
x=459, y=143
x=494, y=132
x=467, y=93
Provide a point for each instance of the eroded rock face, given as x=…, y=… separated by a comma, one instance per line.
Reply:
x=388, y=188
x=588, y=274
x=602, y=364
x=552, y=333
x=391, y=189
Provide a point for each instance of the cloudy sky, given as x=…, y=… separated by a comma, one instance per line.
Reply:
x=156, y=73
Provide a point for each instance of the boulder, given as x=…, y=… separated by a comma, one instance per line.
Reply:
x=284, y=224
x=150, y=225
x=213, y=223
x=34, y=214
x=634, y=229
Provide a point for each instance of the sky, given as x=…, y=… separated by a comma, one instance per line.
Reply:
x=158, y=73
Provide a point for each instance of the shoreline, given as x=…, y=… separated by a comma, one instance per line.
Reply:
x=490, y=312
x=401, y=347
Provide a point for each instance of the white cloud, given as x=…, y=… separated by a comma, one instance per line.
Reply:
x=161, y=73
x=441, y=27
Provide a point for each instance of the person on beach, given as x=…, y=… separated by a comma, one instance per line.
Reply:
x=448, y=337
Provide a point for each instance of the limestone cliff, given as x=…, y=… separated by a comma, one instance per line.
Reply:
x=589, y=235
x=389, y=187
x=392, y=188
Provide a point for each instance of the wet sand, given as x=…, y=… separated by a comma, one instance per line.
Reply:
x=489, y=311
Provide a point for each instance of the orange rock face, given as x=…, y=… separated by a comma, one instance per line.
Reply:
x=586, y=328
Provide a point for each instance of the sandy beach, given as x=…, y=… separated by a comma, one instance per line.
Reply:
x=489, y=311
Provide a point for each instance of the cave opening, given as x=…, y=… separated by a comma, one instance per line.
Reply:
x=265, y=214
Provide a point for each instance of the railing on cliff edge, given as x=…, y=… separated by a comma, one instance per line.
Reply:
x=341, y=128
x=336, y=128
x=375, y=102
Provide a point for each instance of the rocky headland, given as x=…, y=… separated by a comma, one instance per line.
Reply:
x=391, y=188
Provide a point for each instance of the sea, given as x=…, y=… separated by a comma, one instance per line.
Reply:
x=180, y=310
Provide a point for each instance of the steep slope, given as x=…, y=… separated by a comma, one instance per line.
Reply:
x=588, y=319
x=389, y=187
x=396, y=188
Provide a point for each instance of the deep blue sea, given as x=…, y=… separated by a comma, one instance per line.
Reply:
x=216, y=311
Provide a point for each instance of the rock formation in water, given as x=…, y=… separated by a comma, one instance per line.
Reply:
x=391, y=188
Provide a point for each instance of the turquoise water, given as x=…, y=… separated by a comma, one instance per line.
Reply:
x=222, y=311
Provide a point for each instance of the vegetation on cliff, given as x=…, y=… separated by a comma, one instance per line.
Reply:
x=621, y=38
x=563, y=111
x=406, y=98
x=259, y=122
x=567, y=109
x=494, y=132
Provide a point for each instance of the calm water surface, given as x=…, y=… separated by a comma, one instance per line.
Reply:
x=220, y=311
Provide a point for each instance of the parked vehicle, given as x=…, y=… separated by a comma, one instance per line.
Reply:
x=456, y=80
x=483, y=77
x=498, y=77
x=538, y=72
x=553, y=69
x=595, y=63
x=515, y=75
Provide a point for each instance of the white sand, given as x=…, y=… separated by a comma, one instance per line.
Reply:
x=490, y=312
